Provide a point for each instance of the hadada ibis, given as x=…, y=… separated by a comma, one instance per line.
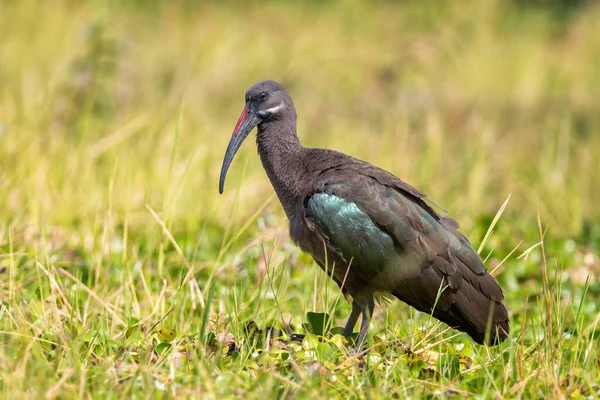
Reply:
x=372, y=233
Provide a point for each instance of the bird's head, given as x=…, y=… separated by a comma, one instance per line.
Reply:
x=266, y=101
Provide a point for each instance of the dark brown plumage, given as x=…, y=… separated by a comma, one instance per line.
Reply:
x=371, y=232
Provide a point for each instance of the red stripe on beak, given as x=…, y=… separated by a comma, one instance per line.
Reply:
x=241, y=120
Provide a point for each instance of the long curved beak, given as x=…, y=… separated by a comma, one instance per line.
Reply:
x=247, y=121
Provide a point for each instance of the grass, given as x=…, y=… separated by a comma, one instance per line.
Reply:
x=124, y=274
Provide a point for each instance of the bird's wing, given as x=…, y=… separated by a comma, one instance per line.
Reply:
x=398, y=243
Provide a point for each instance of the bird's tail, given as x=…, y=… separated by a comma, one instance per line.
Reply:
x=484, y=319
x=470, y=311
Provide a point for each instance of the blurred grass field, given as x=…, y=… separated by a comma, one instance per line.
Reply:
x=114, y=118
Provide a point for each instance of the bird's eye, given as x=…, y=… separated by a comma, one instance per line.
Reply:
x=263, y=96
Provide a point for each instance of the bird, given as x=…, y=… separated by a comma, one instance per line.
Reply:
x=376, y=236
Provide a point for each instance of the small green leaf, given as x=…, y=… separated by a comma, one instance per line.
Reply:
x=318, y=322
x=338, y=330
x=326, y=350
x=329, y=365
x=131, y=330
x=310, y=342
x=416, y=367
x=135, y=338
x=162, y=347
x=339, y=340
x=166, y=335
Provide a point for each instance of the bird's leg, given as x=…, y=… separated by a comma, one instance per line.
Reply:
x=367, y=313
x=356, y=310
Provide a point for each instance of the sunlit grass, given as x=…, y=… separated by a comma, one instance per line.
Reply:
x=113, y=123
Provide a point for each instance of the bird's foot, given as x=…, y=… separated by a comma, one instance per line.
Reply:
x=357, y=352
x=355, y=348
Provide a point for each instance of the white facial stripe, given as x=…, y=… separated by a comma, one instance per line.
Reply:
x=273, y=110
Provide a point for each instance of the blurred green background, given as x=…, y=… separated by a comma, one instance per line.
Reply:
x=109, y=106
x=467, y=101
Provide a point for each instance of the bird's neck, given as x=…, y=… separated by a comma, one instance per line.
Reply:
x=282, y=157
